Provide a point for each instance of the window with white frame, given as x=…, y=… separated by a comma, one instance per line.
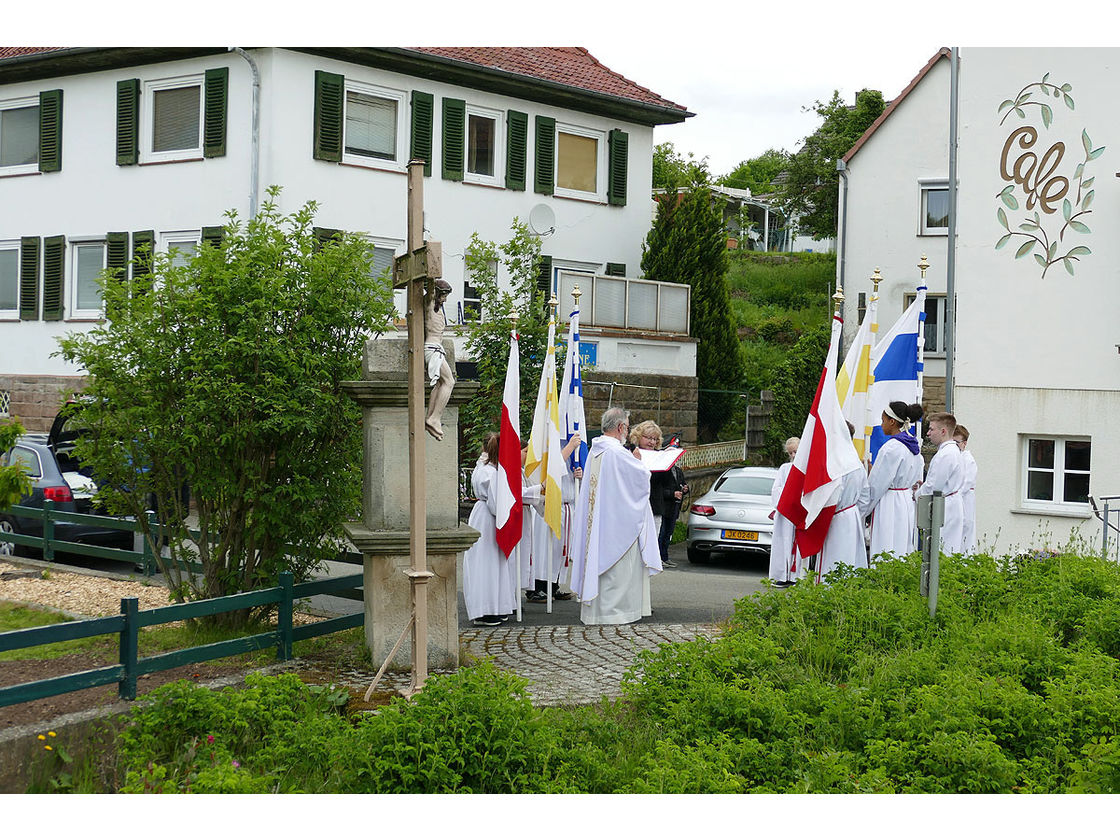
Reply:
x=381, y=265
x=19, y=135
x=581, y=162
x=181, y=245
x=1056, y=472
x=933, y=219
x=9, y=279
x=934, y=324
x=484, y=145
x=373, y=126
x=88, y=261
x=171, y=119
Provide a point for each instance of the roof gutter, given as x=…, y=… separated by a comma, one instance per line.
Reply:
x=255, y=153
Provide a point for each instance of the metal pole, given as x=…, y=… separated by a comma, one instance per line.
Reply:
x=418, y=514
x=951, y=257
x=1104, y=532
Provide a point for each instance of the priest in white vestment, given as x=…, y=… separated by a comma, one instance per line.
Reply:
x=946, y=473
x=613, y=538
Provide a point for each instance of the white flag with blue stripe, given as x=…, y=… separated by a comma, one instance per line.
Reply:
x=572, y=419
x=896, y=364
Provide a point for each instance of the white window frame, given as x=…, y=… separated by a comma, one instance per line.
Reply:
x=72, y=280
x=400, y=296
x=169, y=239
x=939, y=342
x=12, y=245
x=147, y=118
x=1057, y=503
x=498, y=117
x=600, y=194
x=924, y=188
x=400, y=162
x=22, y=168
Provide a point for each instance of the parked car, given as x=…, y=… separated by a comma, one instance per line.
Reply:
x=55, y=477
x=734, y=515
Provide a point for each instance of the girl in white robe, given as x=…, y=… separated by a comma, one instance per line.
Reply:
x=888, y=497
x=968, y=494
x=785, y=561
x=489, y=583
x=844, y=543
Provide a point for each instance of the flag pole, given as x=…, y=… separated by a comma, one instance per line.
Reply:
x=516, y=567
x=923, y=266
x=553, y=303
x=876, y=279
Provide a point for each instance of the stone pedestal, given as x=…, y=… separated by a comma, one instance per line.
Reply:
x=383, y=534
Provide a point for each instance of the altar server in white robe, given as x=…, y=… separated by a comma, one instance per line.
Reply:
x=888, y=497
x=785, y=560
x=968, y=495
x=946, y=473
x=489, y=583
x=614, y=542
x=545, y=544
x=845, y=543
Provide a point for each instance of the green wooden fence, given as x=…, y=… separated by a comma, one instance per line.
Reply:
x=127, y=626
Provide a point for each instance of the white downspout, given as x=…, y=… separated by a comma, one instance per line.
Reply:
x=255, y=155
x=951, y=266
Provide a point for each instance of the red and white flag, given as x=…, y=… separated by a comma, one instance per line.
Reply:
x=508, y=493
x=825, y=455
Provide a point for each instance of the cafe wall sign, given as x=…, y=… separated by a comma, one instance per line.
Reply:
x=1048, y=206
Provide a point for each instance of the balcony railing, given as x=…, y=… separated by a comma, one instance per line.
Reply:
x=626, y=303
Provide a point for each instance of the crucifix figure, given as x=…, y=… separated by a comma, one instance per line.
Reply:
x=439, y=371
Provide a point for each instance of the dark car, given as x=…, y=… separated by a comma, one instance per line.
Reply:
x=55, y=476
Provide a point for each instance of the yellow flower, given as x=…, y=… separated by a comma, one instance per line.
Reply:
x=42, y=737
x=48, y=747
x=52, y=734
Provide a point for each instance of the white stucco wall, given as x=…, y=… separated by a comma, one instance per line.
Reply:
x=92, y=195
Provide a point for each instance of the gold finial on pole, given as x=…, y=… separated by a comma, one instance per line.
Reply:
x=838, y=299
x=923, y=265
x=553, y=305
x=876, y=279
x=576, y=293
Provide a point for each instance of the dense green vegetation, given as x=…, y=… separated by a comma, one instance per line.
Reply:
x=850, y=687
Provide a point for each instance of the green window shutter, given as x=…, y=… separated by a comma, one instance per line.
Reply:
x=128, y=122
x=29, y=278
x=143, y=246
x=544, y=275
x=454, y=138
x=329, y=93
x=324, y=236
x=423, y=110
x=544, y=166
x=54, y=263
x=618, y=143
x=616, y=269
x=116, y=253
x=216, y=108
x=213, y=235
x=517, y=142
x=50, y=131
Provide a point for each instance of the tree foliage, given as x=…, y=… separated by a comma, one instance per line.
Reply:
x=757, y=174
x=671, y=170
x=810, y=189
x=488, y=338
x=224, y=375
x=14, y=482
x=795, y=385
x=688, y=244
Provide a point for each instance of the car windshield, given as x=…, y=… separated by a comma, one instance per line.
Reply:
x=746, y=485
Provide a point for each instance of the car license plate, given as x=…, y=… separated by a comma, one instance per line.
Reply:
x=741, y=535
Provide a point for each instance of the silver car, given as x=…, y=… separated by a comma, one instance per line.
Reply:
x=734, y=515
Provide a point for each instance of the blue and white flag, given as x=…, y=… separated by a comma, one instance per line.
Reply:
x=572, y=419
x=896, y=364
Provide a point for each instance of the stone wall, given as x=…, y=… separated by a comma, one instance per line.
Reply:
x=933, y=393
x=35, y=400
x=669, y=401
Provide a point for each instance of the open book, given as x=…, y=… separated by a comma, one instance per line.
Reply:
x=660, y=460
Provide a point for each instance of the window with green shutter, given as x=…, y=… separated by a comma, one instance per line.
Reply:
x=453, y=132
x=213, y=235
x=324, y=236
x=616, y=269
x=54, y=263
x=29, y=278
x=128, y=122
x=423, y=111
x=143, y=247
x=329, y=89
x=517, y=149
x=116, y=253
x=544, y=164
x=216, y=105
x=544, y=275
x=50, y=131
x=618, y=145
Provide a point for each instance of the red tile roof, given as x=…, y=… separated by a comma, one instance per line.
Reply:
x=944, y=52
x=12, y=52
x=572, y=66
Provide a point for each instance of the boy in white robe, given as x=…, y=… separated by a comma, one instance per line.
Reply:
x=968, y=495
x=946, y=473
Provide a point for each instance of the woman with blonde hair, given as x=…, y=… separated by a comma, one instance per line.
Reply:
x=663, y=485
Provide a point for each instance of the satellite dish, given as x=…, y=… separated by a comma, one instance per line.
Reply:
x=542, y=221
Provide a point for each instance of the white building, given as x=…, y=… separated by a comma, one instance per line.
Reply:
x=104, y=149
x=1035, y=373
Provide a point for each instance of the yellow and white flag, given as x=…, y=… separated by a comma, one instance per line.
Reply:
x=544, y=464
x=853, y=381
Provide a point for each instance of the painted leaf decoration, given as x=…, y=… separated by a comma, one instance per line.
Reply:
x=1052, y=250
x=1020, y=112
x=1047, y=116
x=1088, y=182
x=1096, y=153
x=1069, y=266
x=1022, y=97
x=1007, y=103
x=1079, y=251
x=1028, y=225
x=1067, y=87
x=1088, y=199
x=1085, y=141
x=1069, y=101
x=1001, y=216
x=1067, y=209
x=1077, y=172
x=1025, y=248
x=1003, y=240
x=1010, y=201
x=1080, y=227
x=1040, y=260
x=1045, y=76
